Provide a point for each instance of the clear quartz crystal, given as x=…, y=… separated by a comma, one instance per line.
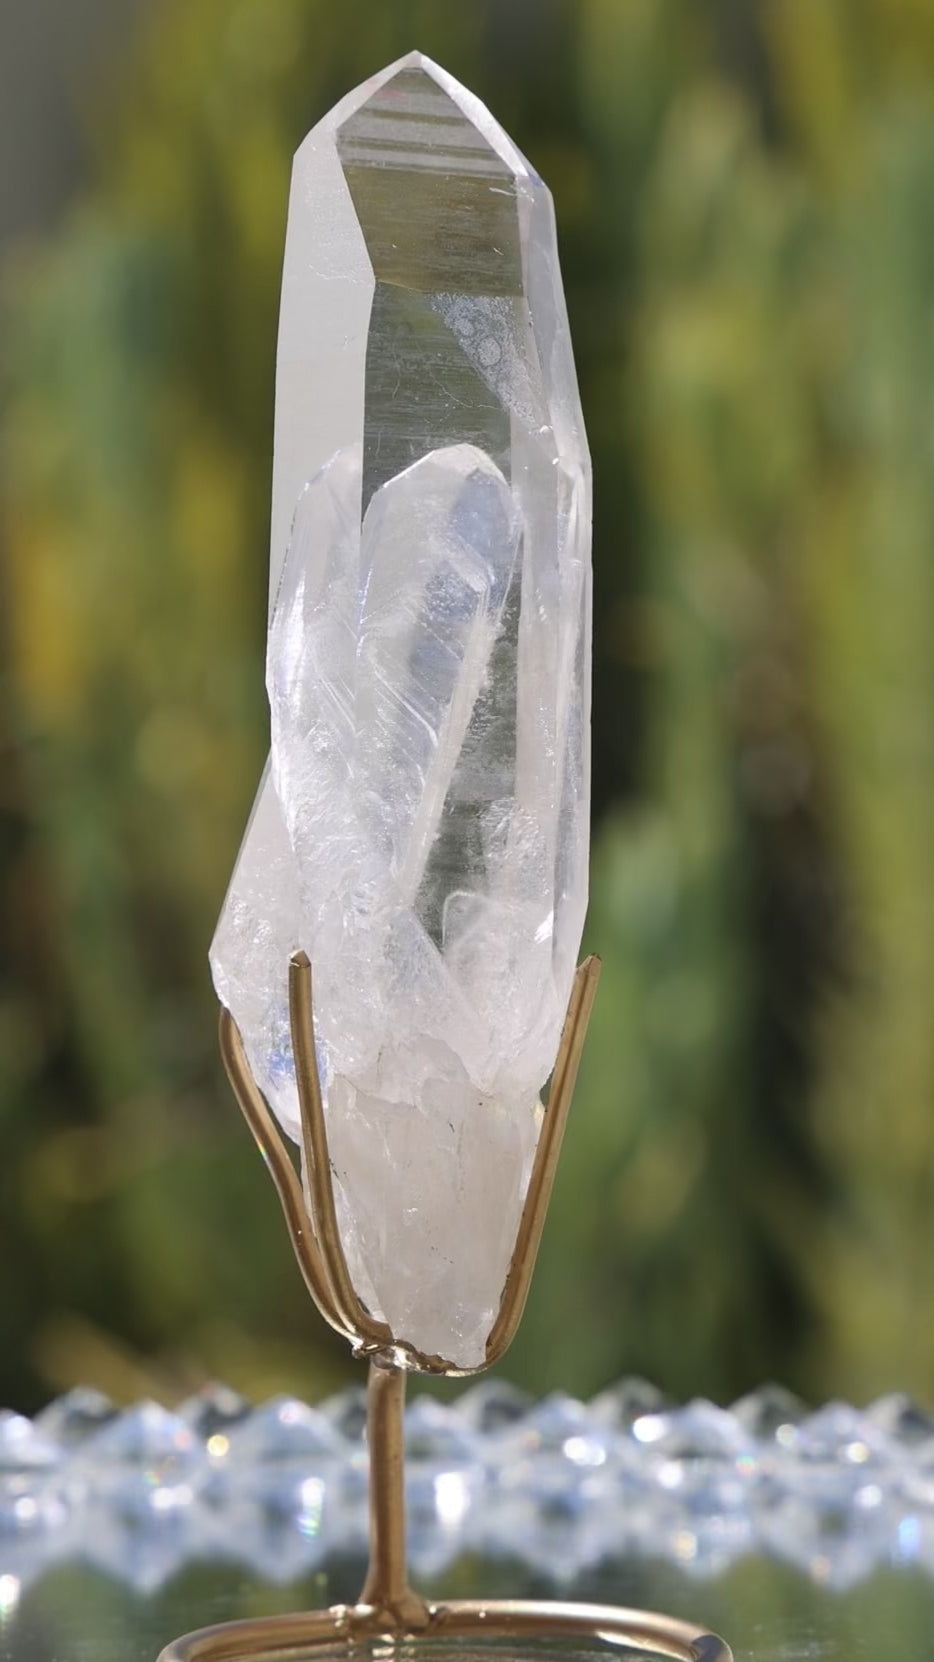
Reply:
x=421, y=830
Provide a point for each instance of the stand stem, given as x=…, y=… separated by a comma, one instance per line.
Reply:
x=387, y=1588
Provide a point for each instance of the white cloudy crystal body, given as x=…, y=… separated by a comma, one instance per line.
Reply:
x=422, y=829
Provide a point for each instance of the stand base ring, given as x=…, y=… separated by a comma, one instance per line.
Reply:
x=291, y=1638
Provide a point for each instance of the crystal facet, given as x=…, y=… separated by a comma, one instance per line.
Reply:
x=422, y=828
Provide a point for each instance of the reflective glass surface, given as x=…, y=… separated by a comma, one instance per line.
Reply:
x=769, y=1612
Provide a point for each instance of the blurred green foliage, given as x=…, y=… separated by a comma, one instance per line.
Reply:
x=745, y=196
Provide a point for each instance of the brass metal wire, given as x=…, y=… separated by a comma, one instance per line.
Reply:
x=388, y=1608
x=294, y=1637
x=367, y=1332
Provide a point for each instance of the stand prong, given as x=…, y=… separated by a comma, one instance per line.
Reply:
x=289, y=1189
x=369, y=1333
x=541, y=1181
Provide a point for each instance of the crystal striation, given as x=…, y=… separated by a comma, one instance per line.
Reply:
x=421, y=830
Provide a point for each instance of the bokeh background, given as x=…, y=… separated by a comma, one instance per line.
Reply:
x=745, y=199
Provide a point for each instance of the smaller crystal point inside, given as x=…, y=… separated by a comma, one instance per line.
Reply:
x=422, y=829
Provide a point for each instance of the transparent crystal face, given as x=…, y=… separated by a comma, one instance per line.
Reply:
x=422, y=829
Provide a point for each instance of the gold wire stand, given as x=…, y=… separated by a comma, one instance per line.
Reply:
x=388, y=1609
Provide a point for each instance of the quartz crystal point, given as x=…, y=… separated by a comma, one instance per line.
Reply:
x=421, y=830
